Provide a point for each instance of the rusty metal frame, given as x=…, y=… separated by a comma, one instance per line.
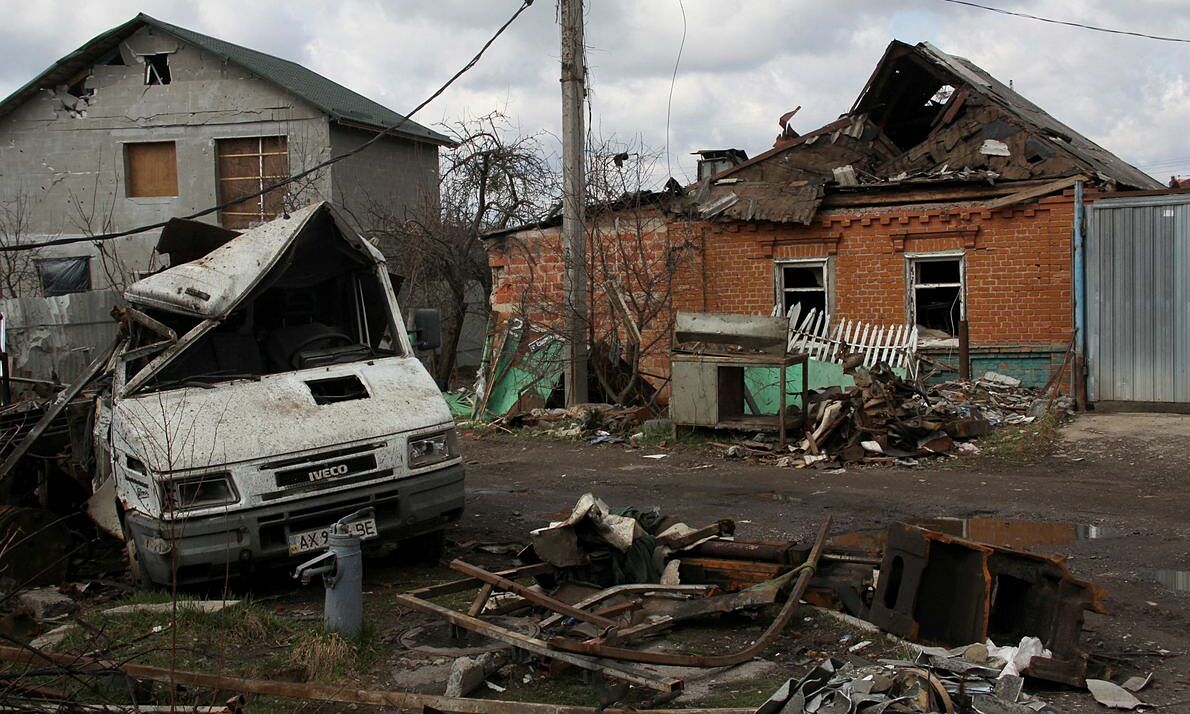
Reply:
x=617, y=670
x=804, y=573
x=492, y=580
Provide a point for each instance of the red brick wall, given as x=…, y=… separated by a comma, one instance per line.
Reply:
x=1018, y=268
x=1018, y=275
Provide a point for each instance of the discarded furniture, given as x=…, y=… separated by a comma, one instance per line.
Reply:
x=939, y=589
x=707, y=368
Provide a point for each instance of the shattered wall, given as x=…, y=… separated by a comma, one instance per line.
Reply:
x=649, y=259
x=57, y=335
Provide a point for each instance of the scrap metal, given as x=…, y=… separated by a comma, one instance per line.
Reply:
x=938, y=588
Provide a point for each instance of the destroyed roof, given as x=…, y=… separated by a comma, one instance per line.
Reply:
x=338, y=102
x=923, y=117
x=979, y=81
x=212, y=286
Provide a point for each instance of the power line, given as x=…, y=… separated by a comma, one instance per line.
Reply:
x=1067, y=23
x=672, y=81
x=296, y=177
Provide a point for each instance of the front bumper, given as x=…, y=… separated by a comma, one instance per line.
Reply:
x=204, y=548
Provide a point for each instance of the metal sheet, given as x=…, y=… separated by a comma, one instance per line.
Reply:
x=1138, y=290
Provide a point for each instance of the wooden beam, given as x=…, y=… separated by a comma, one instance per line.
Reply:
x=55, y=407
x=323, y=692
x=1032, y=193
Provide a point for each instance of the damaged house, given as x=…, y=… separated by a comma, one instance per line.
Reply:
x=149, y=121
x=942, y=197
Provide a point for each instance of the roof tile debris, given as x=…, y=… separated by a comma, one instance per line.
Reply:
x=923, y=117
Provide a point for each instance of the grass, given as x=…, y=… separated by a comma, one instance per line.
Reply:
x=1021, y=444
x=244, y=640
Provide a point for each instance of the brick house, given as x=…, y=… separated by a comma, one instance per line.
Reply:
x=942, y=196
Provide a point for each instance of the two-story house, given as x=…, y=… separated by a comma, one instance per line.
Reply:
x=150, y=121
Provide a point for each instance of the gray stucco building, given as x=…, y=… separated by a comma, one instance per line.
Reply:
x=150, y=121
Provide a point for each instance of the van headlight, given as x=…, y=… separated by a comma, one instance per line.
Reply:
x=186, y=494
x=432, y=449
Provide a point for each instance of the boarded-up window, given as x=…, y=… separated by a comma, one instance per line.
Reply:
x=151, y=168
x=247, y=166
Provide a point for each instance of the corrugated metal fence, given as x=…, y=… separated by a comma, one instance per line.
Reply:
x=57, y=335
x=1138, y=299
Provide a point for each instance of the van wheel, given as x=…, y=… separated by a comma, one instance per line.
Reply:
x=140, y=576
x=426, y=549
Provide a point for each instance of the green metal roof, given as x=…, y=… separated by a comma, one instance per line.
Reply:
x=338, y=102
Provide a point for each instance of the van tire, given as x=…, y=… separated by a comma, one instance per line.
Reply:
x=140, y=577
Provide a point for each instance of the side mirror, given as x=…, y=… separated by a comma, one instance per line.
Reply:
x=427, y=329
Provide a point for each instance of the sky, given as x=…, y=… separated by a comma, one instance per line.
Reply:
x=743, y=64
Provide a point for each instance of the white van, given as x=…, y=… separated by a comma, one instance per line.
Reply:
x=263, y=392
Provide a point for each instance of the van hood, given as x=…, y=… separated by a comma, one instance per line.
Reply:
x=214, y=285
x=196, y=428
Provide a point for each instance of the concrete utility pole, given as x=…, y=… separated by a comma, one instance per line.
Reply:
x=574, y=243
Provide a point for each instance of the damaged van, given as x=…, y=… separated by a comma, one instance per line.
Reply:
x=263, y=392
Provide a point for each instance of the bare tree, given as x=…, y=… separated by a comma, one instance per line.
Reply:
x=493, y=178
x=637, y=246
x=18, y=269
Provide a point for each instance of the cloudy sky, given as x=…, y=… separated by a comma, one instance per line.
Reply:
x=744, y=64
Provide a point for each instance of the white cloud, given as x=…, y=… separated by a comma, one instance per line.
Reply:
x=744, y=64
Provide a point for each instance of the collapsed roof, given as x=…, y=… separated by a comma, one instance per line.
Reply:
x=923, y=117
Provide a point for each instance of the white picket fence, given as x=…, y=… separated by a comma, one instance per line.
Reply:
x=831, y=341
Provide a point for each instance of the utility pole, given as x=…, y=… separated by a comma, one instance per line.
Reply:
x=574, y=242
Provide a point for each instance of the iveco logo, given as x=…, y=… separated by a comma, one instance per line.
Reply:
x=327, y=472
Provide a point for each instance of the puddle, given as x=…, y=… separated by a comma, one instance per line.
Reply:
x=1176, y=580
x=1014, y=533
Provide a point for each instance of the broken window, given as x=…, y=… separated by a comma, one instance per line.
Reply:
x=937, y=292
x=151, y=169
x=246, y=167
x=804, y=282
x=62, y=276
x=157, y=69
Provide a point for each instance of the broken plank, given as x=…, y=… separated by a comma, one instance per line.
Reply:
x=336, y=693
x=458, y=586
x=55, y=407
x=617, y=670
x=1031, y=193
x=155, y=325
x=533, y=596
x=804, y=573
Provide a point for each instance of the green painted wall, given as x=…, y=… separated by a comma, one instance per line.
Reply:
x=764, y=383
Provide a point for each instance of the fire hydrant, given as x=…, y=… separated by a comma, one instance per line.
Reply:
x=342, y=571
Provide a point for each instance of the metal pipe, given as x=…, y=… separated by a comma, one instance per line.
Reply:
x=1080, y=299
x=964, y=351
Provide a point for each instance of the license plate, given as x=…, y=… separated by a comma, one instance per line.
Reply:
x=318, y=538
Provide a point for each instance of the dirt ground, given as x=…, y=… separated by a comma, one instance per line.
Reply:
x=1117, y=481
x=1122, y=479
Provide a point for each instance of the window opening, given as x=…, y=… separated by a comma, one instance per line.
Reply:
x=62, y=276
x=804, y=283
x=937, y=299
x=157, y=69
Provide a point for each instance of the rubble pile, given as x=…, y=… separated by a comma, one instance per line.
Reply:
x=598, y=423
x=963, y=679
x=884, y=417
